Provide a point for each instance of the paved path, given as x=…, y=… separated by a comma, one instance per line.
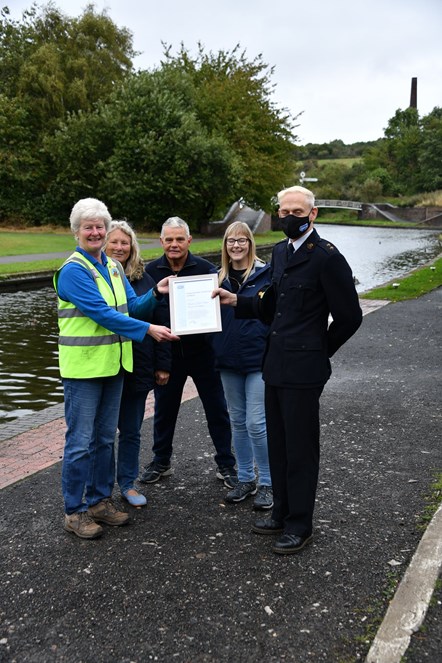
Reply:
x=187, y=581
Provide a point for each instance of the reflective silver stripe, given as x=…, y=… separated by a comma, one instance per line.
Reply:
x=93, y=340
x=88, y=340
x=122, y=308
x=76, y=313
x=70, y=313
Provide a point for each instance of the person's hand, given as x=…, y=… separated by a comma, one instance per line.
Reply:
x=161, y=333
x=225, y=296
x=163, y=285
x=162, y=377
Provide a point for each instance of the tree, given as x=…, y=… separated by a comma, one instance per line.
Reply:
x=172, y=142
x=50, y=65
x=398, y=152
x=146, y=153
x=232, y=99
x=55, y=64
x=430, y=156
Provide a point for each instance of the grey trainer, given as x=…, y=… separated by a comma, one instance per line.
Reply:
x=263, y=499
x=228, y=476
x=154, y=471
x=242, y=490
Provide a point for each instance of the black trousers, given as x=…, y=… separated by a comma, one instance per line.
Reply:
x=293, y=442
x=210, y=390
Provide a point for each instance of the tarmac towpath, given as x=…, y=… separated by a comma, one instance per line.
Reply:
x=187, y=581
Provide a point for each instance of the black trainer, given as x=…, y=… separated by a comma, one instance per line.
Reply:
x=263, y=499
x=242, y=490
x=154, y=472
x=228, y=475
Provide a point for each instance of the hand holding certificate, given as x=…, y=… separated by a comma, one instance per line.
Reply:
x=192, y=309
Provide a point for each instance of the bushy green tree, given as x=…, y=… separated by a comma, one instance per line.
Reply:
x=50, y=65
x=430, y=154
x=187, y=138
x=180, y=140
x=146, y=154
x=232, y=99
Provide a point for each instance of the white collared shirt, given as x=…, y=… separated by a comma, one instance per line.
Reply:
x=300, y=241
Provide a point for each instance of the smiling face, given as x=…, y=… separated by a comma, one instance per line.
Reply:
x=118, y=246
x=91, y=236
x=238, y=247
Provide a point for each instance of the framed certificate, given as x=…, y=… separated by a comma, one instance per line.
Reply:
x=192, y=309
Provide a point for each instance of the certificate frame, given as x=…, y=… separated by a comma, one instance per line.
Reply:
x=192, y=308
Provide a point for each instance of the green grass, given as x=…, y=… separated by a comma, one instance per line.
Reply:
x=417, y=283
x=346, y=161
x=433, y=501
x=24, y=243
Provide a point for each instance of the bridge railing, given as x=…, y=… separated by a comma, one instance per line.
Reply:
x=346, y=204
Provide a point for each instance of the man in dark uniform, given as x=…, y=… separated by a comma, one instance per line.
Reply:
x=192, y=356
x=310, y=280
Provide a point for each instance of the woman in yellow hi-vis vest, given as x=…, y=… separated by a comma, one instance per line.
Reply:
x=99, y=315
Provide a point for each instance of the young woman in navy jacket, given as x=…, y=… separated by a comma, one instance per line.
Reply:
x=239, y=350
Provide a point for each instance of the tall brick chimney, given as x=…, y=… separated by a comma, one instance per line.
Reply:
x=413, y=95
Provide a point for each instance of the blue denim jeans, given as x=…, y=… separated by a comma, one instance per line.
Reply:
x=132, y=408
x=245, y=400
x=91, y=411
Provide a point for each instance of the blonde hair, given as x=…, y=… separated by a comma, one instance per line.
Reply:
x=135, y=266
x=237, y=229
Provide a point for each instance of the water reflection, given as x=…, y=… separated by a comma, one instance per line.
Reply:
x=29, y=377
x=377, y=255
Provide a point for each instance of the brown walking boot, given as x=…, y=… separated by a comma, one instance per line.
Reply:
x=106, y=512
x=82, y=525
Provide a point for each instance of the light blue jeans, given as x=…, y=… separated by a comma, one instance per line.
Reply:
x=245, y=400
x=91, y=411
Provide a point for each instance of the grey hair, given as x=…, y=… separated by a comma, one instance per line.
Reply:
x=135, y=265
x=89, y=208
x=309, y=195
x=175, y=222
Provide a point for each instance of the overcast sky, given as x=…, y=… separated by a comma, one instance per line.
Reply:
x=346, y=65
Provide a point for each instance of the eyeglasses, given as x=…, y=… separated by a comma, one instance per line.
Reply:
x=241, y=241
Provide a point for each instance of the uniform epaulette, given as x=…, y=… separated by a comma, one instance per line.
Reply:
x=328, y=247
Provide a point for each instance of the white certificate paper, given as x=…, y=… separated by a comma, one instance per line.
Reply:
x=192, y=309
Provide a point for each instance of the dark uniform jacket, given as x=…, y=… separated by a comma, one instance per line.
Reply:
x=314, y=282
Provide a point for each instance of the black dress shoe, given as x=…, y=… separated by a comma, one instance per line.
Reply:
x=267, y=526
x=288, y=544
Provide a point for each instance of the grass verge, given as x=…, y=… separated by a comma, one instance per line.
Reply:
x=416, y=283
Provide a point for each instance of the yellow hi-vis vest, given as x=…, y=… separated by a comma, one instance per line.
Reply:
x=86, y=349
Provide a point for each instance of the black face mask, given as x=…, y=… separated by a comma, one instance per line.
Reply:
x=295, y=226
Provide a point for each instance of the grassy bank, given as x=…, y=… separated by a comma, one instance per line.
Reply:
x=416, y=283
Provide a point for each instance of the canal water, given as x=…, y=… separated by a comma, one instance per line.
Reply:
x=29, y=377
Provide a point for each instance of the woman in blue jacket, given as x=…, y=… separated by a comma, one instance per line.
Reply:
x=151, y=365
x=239, y=349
